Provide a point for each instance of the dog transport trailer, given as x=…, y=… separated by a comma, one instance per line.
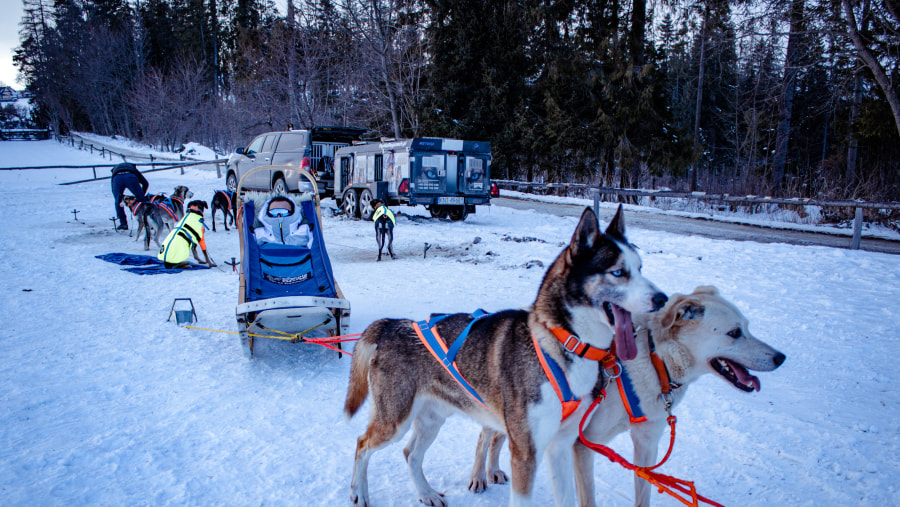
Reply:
x=448, y=176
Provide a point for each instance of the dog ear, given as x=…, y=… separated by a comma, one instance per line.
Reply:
x=616, y=228
x=690, y=310
x=708, y=290
x=680, y=310
x=586, y=233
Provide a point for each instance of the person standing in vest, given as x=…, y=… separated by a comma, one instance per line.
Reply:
x=126, y=176
x=184, y=239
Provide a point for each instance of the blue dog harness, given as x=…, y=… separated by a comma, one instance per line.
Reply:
x=429, y=336
x=427, y=333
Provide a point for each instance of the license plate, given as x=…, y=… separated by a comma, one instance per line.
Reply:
x=450, y=200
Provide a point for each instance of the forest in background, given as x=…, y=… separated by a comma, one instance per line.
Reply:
x=773, y=97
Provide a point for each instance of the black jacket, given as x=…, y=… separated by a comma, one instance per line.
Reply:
x=129, y=168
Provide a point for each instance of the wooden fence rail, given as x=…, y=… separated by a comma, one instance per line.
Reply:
x=597, y=191
x=153, y=168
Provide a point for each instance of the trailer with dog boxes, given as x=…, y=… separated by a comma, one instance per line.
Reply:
x=448, y=176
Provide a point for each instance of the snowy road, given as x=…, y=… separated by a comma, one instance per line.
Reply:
x=708, y=228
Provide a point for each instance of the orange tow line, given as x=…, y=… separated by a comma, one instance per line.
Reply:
x=682, y=490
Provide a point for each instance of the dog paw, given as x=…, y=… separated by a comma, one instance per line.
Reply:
x=358, y=500
x=434, y=499
x=499, y=477
x=478, y=485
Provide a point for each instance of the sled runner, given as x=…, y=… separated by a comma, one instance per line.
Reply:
x=287, y=288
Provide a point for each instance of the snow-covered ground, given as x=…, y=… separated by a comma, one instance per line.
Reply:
x=104, y=402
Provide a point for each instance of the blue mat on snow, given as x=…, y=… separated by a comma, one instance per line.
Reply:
x=147, y=265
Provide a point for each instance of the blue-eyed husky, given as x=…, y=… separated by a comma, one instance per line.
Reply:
x=693, y=334
x=582, y=307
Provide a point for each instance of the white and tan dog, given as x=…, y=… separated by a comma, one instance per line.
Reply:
x=694, y=334
x=581, y=308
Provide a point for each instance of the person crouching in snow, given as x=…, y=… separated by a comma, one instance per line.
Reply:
x=184, y=239
x=283, y=222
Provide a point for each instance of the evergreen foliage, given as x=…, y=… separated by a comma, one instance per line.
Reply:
x=795, y=97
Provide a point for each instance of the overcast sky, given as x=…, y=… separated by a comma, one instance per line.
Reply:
x=9, y=40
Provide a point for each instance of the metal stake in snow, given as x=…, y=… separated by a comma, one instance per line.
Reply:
x=114, y=220
x=75, y=212
x=233, y=264
x=425, y=253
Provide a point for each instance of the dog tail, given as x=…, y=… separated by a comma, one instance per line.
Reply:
x=363, y=353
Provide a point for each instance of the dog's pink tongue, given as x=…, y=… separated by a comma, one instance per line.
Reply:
x=626, y=348
x=744, y=376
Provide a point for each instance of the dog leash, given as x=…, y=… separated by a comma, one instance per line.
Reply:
x=680, y=489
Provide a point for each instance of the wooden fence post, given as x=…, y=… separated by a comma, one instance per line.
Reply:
x=857, y=229
x=597, y=203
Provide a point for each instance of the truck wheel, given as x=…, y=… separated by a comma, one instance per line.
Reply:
x=350, y=203
x=365, y=205
x=458, y=213
x=437, y=211
x=231, y=182
x=279, y=187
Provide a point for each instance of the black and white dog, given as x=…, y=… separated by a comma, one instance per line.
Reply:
x=223, y=200
x=384, y=228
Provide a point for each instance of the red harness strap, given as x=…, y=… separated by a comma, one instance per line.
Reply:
x=574, y=345
x=558, y=380
x=680, y=489
x=557, y=376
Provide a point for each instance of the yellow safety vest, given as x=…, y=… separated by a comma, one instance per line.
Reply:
x=187, y=233
x=383, y=210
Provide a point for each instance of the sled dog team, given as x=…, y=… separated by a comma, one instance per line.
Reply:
x=529, y=375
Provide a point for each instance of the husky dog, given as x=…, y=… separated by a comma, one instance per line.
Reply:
x=159, y=211
x=694, y=334
x=176, y=202
x=225, y=201
x=583, y=305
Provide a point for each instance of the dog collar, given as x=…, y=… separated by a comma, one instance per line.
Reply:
x=630, y=399
x=665, y=380
x=573, y=344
